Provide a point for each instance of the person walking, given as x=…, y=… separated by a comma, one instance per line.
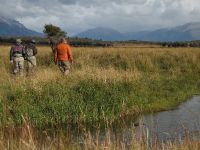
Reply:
x=30, y=55
x=17, y=57
x=63, y=56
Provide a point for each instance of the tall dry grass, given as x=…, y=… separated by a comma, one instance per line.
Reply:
x=26, y=138
x=132, y=80
x=113, y=63
x=105, y=85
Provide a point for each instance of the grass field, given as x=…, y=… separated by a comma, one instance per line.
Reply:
x=105, y=86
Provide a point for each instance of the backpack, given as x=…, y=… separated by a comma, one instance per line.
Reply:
x=18, y=50
x=29, y=51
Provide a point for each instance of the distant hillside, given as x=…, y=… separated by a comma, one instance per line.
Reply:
x=106, y=34
x=187, y=32
x=9, y=27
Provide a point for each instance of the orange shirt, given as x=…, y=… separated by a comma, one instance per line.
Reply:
x=63, y=52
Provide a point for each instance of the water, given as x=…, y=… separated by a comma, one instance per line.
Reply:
x=174, y=124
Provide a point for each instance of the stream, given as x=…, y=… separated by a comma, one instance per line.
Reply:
x=184, y=121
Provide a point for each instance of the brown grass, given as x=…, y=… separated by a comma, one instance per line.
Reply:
x=94, y=63
x=25, y=139
x=102, y=64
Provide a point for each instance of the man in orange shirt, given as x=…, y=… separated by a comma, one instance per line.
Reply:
x=63, y=56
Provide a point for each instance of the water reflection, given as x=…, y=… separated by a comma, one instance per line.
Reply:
x=175, y=124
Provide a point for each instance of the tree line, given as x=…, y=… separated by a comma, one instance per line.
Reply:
x=54, y=34
x=76, y=42
x=181, y=44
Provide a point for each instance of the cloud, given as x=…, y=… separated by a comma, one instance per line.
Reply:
x=124, y=15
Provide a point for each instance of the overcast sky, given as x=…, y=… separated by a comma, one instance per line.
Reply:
x=124, y=15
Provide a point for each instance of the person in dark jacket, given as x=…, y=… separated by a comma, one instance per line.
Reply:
x=17, y=57
x=30, y=55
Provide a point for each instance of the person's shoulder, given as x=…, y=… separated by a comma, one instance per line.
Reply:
x=68, y=45
x=63, y=44
x=32, y=45
x=26, y=46
x=13, y=46
x=58, y=45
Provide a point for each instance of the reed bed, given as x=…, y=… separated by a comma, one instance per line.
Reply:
x=104, y=87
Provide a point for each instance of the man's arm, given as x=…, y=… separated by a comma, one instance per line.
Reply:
x=11, y=54
x=55, y=55
x=24, y=52
x=69, y=53
x=35, y=51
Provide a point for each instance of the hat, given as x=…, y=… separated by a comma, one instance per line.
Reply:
x=33, y=41
x=18, y=41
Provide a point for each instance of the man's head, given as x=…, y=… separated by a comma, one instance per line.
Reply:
x=33, y=41
x=63, y=40
x=18, y=41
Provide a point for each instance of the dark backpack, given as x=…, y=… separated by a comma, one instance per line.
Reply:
x=29, y=52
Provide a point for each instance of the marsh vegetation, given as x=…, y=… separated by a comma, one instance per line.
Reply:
x=105, y=86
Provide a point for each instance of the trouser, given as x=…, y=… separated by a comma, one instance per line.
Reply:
x=64, y=66
x=18, y=63
x=31, y=62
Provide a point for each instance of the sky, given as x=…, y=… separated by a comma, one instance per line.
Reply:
x=75, y=16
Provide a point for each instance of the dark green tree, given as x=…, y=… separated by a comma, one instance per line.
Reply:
x=53, y=31
x=54, y=34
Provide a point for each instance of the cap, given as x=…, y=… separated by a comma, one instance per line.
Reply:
x=18, y=40
x=33, y=41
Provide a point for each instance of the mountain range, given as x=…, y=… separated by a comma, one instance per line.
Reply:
x=186, y=32
x=11, y=27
